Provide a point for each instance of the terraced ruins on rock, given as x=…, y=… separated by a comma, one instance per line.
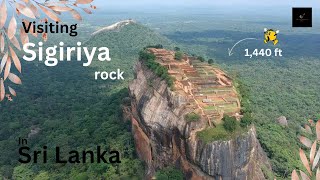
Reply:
x=210, y=91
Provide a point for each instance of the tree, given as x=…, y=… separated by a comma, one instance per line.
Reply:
x=178, y=55
x=161, y=71
x=210, y=61
x=177, y=49
x=158, y=46
x=81, y=176
x=22, y=172
x=201, y=58
x=230, y=123
x=246, y=120
x=169, y=173
x=192, y=117
x=317, y=117
x=42, y=176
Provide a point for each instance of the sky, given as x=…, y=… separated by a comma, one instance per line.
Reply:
x=246, y=7
x=276, y=8
x=204, y=3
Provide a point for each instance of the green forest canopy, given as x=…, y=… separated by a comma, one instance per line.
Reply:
x=75, y=112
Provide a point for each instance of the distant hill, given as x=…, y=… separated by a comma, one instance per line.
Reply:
x=128, y=39
x=124, y=45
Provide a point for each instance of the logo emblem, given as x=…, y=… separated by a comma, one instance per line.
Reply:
x=301, y=17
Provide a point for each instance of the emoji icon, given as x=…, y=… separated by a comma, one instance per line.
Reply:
x=270, y=35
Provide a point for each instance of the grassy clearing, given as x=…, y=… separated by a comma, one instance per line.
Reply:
x=210, y=108
x=228, y=110
x=219, y=133
x=192, y=117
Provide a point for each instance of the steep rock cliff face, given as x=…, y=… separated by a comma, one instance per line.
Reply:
x=163, y=137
